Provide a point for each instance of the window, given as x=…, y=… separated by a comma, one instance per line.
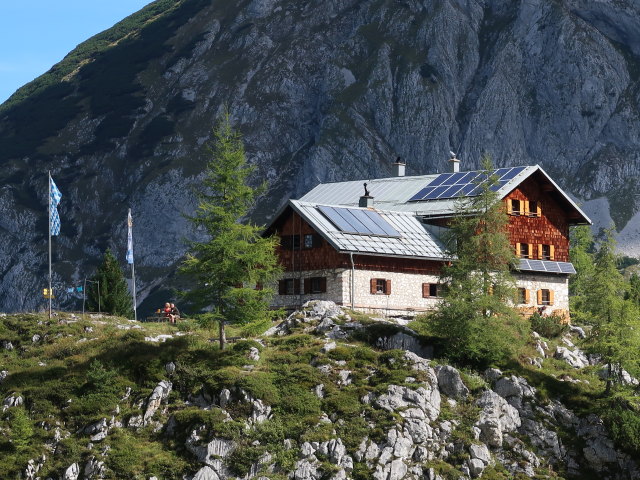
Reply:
x=431, y=290
x=289, y=286
x=515, y=207
x=290, y=242
x=315, y=285
x=523, y=296
x=524, y=250
x=308, y=240
x=312, y=240
x=545, y=297
x=533, y=209
x=380, y=286
x=545, y=252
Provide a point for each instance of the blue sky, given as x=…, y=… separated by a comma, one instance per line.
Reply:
x=36, y=34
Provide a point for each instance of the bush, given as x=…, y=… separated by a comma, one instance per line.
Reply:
x=550, y=326
x=624, y=425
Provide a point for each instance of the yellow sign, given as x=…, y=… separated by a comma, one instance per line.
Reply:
x=47, y=294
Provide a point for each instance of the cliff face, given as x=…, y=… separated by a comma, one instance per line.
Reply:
x=322, y=91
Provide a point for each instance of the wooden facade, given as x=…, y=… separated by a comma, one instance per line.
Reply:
x=295, y=256
x=547, y=224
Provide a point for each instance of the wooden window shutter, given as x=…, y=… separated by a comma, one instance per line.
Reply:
x=388, y=289
x=530, y=250
x=539, y=297
x=539, y=251
x=538, y=210
x=527, y=296
x=307, y=285
x=550, y=297
x=509, y=207
x=552, y=252
x=282, y=287
x=323, y=285
x=525, y=208
x=425, y=290
x=518, y=250
x=373, y=286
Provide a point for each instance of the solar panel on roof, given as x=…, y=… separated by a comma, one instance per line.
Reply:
x=463, y=184
x=352, y=220
x=546, y=266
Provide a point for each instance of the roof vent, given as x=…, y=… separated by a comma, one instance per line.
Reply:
x=398, y=167
x=455, y=163
x=366, y=200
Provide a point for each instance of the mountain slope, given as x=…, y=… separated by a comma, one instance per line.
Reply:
x=322, y=91
x=101, y=397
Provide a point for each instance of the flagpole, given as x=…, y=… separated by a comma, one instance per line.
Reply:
x=133, y=268
x=49, y=222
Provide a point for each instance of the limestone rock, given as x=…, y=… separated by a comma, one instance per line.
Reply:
x=576, y=358
x=3, y=374
x=159, y=395
x=97, y=431
x=253, y=354
x=72, y=472
x=496, y=417
x=450, y=383
x=94, y=468
x=306, y=470
x=170, y=368
x=206, y=473
x=398, y=397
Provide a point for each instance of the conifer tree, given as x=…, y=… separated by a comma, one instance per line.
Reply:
x=236, y=266
x=615, y=335
x=112, y=290
x=581, y=253
x=476, y=319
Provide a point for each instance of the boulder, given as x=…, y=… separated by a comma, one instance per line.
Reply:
x=404, y=341
x=577, y=331
x=3, y=374
x=159, y=395
x=72, y=472
x=206, y=473
x=217, y=448
x=253, y=354
x=97, y=431
x=170, y=368
x=480, y=452
x=576, y=358
x=496, y=417
x=476, y=467
x=94, y=468
x=450, y=383
x=398, y=397
x=306, y=470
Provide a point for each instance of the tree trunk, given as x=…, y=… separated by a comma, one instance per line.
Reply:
x=607, y=390
x=223, y=338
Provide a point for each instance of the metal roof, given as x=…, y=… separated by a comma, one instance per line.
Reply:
x=393, y=194
x=415, y=240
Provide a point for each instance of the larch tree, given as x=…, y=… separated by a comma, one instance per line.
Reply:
x=615, y=335
x=476, y=319
x=581, y=252
x=235, y=267
x=108, y=290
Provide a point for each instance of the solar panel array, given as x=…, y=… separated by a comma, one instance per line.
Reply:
x=353, y=220
x=463, y=184
x=546, y=266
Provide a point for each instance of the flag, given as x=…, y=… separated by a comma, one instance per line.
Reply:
x=54, y=200
x=129, y=239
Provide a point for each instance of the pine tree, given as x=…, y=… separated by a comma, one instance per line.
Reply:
x=615, y=335
x=110, y=287
x=476, y=319
x=581, y=253
x=235, y=268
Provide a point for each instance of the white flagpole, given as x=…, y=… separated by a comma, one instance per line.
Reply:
x=49, y=222
x=133, y=268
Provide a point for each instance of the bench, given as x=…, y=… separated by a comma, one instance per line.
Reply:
x=157, y=318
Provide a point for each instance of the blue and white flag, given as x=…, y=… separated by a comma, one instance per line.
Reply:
x=54, y=200
x=129, y=239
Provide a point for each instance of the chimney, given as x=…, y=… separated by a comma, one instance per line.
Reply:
x=366, y=200
x=455, y=163
x=398, y=167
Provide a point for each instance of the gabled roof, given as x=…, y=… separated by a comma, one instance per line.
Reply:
x=414, y=240
x=395, y=194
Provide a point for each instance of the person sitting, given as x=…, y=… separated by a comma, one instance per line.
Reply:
x=175, y=312
x=167, y=312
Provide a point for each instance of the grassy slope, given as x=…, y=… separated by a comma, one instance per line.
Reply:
x=79, y=369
